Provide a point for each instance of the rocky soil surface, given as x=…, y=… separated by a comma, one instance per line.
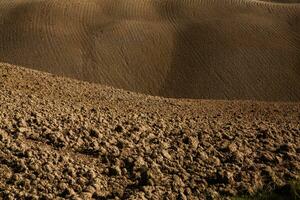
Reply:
x=66, y=139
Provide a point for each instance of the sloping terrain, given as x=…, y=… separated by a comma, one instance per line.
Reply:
x=208, y=49
x=61, y=138
x=82, y=138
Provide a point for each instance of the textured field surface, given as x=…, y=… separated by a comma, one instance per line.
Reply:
x=209, y=49
x=61, y=138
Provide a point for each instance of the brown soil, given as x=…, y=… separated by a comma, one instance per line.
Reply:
x=208, y=49
x=62, y=138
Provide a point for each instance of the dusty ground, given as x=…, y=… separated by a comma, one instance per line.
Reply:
x=207, y=49
x=65, y=139
x=61, y=138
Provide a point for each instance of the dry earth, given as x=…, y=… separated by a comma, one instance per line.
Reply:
x=62, y=138
x=208, y=49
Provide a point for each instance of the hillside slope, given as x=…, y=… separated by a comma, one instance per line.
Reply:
x=208, y=49
x=61, y=138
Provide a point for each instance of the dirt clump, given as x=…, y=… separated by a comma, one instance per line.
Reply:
x=96, y=142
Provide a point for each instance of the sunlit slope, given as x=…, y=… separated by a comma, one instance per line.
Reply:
x=191, y=49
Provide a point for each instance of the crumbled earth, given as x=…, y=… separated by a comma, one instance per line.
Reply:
x=66, y=139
